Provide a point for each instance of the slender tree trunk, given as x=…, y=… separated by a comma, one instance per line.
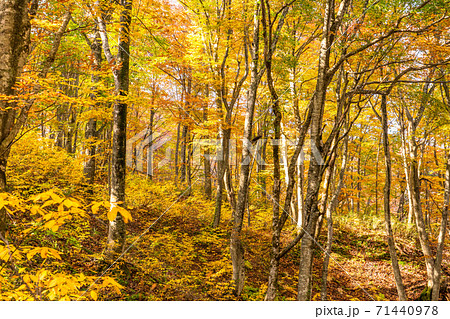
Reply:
x=91, y=126
x=414, y=182
x=207, y=173
x=442, y=233
x=183, y=157
x=376, y=175
x=270, y=40
x=319, y=150
x=358, y=170
x=261, y=163
x=236, y=247
x=407, y=173
x=177, y=148
x=150, y=145
x=300, y=197
x=228, y=183
x=276, y=194
x=206, y=155
x=116, y=231
x=223, y=163
x=387, y=209
x=444, y=221
x=314, y=172
x=331, y=208
x=188, y=166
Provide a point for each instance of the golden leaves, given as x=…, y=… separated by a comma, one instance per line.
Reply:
x=113, y=210
x=44, y=252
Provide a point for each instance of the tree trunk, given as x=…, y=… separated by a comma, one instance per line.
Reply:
x=150, y=145
x=183, y=157
x=261, y=163
x=442, y=233
x=314, y=172
x=207, y=173
x=222, y=163
x=376, y=175
x=236, y=247
x=444, y=221
x=405, y=167
x=358, y=170
x=276, y=193
x=332, y=22
x=116, y=231
x=387, y=209
x=206, y=155
x=331, y=208
x=91, y=126
x=177, y=148
x=270, y=41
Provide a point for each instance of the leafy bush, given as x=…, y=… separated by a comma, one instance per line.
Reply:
x=36, y=165
x=41, y=247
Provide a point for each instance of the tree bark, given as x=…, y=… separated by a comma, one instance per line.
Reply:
x=177, y=148
x=278, y=221
x=91, y=126
x=207, y=155
x=387, y=209
x=332, y=22
x=331, y=208
x=120, y=67
x=236, y=247
x=150, y=144
x=442, y=233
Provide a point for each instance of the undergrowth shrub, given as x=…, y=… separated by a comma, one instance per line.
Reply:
x=36, y=165
x=41, y=257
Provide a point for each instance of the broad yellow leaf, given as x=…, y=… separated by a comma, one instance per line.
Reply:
x=112, y=214
x=94, y=295
x=48, y=203
x=51, y=225
x=56, y=198
x=125, y=214
x=44, y=252
x=70, y=203
x=31, y=253
x=54, y=253
x=95, y=207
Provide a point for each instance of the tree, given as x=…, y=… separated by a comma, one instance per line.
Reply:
x=120, y=66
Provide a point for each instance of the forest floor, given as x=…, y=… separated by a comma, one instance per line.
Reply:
x=177, y=255
x=173, y=253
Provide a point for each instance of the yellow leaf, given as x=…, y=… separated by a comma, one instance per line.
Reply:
x=94, y=295
x=54, y=253
x=56, y=198
x=44, y=252
x=125, y=214
x=112, y=214
x=95, y=207
x=51, y=225
x=71, y=203
x=48, y=203
x=31, y=253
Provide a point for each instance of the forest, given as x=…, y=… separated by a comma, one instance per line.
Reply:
x=224, y=150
